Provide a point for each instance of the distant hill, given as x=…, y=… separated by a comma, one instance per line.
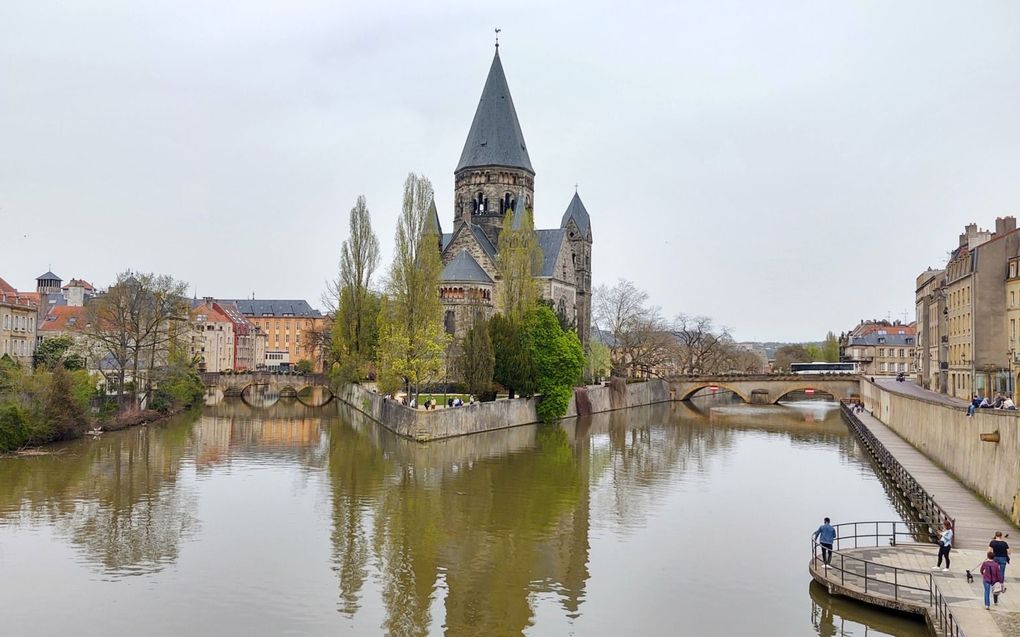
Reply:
x=768, y=349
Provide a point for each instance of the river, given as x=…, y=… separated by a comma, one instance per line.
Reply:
x=664, y=520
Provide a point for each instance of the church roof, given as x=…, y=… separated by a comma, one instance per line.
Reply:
x=479, y=235
x=577, y=212
x=495, y=138
x=518, y=214
x=549, y=241
x=48, y=277
x=433, y=220
x=447, y=238
x=464, y=268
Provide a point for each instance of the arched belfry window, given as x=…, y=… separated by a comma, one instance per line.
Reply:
x=450, y=322
x=507, y=204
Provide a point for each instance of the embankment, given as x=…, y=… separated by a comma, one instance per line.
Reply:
x=422, y=425
x=952, y=440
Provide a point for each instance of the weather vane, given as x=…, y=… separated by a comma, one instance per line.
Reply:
x=497, y=36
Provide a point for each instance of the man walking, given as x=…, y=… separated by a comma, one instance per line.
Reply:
x=826, y=535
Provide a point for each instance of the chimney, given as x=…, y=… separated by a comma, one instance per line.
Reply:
x=963, y=239
x=1005, y=224
x=208, y=300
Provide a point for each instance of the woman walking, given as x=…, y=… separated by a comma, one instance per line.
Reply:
x=1001, y=550
x=945, y=543
x=990, y=576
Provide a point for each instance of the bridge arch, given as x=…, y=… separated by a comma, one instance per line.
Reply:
x=827, y=391
x=688, y=392
x=311, y=398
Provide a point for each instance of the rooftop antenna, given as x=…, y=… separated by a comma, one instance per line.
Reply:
x=575, y=188
x=497, y=36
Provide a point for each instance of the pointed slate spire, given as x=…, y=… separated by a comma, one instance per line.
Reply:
x=432, y=221
x=518, y=213
x=577, y=212
x=495, y=138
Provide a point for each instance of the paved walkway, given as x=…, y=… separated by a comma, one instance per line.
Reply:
x=965, y=599
x=908, y=388
x=976, y=521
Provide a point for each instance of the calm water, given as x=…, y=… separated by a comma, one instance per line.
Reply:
x=662, y=520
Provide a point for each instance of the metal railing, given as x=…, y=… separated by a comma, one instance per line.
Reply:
x=927, y=508
x=902, y=585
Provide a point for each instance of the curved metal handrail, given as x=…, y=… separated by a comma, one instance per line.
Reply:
x=873, y=534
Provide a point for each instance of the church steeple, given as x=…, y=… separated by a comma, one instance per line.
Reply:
x=494, y=170
x=495, y=138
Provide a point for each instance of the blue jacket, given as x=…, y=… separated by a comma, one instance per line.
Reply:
x=826, y=533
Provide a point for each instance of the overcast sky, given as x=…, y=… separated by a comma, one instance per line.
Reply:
x=784, y=167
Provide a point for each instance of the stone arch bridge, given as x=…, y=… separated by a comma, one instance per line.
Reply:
x=767, y=389
x=311, y=389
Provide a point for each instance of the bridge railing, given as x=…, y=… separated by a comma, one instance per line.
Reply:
x=927, y=508
x=902, y=585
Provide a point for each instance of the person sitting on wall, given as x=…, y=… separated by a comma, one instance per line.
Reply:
x=974, y=404
x=1007, y=403
x=985, y=404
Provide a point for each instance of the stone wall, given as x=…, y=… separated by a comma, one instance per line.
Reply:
x=952, y=440
x=424, y=425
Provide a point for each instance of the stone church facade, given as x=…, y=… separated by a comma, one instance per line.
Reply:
x=494, y=178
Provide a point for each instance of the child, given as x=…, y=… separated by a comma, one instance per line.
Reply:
x=990, y=576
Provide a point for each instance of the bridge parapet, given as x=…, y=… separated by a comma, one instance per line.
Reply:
x=766, y=388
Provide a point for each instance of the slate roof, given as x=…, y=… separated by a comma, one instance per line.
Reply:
x=464, y=268
x=495, y=138
x=274, y=307
x=577, y=212
x=49, y=275
x=447, y=238
x=889, y=339
x=518, y=214
x=479, y=235
x=549, y=241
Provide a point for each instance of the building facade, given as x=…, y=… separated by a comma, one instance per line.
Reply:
x=882, y=348
x=290, y=326
x=932, y=341
x=212, y=337
x=967, y=310
x=495, y=179
x=18, y=324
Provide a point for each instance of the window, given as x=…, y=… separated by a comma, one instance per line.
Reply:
x=881, y=352
x=450, y=322
x=902, y=352
x=1012, y=329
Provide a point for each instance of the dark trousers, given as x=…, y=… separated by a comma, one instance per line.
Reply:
x=943, y=552
x=826, y=552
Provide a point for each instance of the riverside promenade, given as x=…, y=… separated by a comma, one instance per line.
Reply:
x=889, y=564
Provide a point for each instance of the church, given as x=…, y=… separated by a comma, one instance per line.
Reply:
x=495, y=178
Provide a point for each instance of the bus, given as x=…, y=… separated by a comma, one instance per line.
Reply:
x=824, y=368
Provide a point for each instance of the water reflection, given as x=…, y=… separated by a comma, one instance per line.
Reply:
x=600, y=526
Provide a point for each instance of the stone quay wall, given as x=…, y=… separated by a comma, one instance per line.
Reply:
x=952, y=440
x=437, y=424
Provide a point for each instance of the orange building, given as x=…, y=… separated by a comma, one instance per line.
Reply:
x=292, y=329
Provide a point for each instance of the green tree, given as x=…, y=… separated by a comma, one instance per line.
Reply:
x=304, y=366
x=411, y=336
x=830, y=349
x=513, y=366
x=520, y=258
x=178, y=384
x=477, y=360
x=355, y=325
x=598, y=362
x=559, y=361
x=57, y=351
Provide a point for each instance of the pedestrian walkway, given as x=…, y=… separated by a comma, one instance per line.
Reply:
x=907, y=589
x=872, y=563
x=908, y=388
x=975, y=521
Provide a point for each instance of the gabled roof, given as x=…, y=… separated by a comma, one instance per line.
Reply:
x=6, y=288
x=447, y=238
x=479, y=235
x=274, y=307
x=577, y=212
x=464, y=268
x=432, y=221
x=78, y=283
x=549, y=241
x=495, y=138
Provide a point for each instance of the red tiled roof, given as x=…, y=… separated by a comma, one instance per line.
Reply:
x=6, y=288
x=80, y=283
x=63, y=317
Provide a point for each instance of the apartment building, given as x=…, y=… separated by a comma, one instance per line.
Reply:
x=18, y=317
x=292, y=327
x=882, y=348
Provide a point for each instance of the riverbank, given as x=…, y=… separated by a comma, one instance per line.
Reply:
x=423, y=426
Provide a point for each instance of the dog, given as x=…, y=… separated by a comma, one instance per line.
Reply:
x=970, y=577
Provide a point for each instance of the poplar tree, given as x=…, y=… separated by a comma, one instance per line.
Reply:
x=354, y=327
x=411, y=336
x=520, y=259
x=477, y=360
